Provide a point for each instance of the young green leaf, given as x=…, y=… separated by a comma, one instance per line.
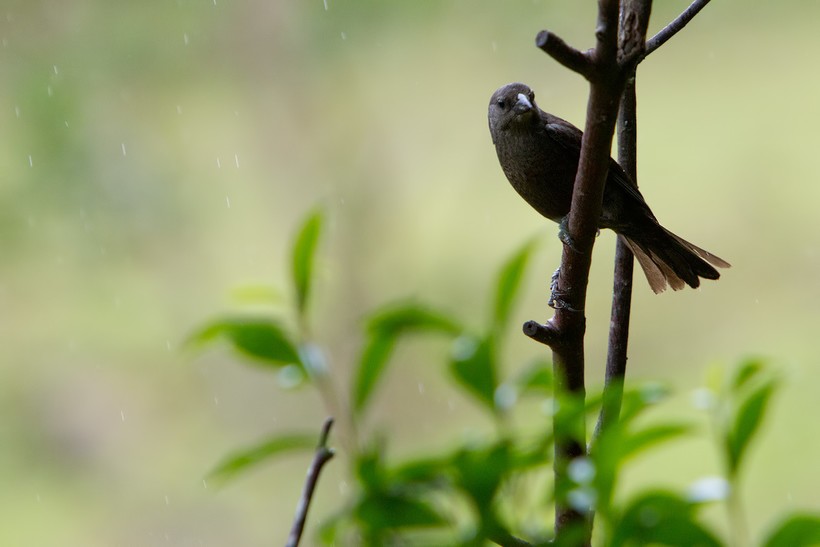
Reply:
x=381, y=511
x=661, y=518
x=371, y=366
x=241, y=461
x=509, y=281
x=746, y=373
x=537, y=378
x=384, y=328
x=304, y=249
x=636, y=442
x=747, y=421
x=262, y=339
x=410, y=316
x=798, y=530
x=472, y=363
x=479, y=472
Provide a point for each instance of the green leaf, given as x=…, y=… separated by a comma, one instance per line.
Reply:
x=481, y=470
x=429, y=469
x=256, y=294
x=304, y=249
x=241, y=461
x=391, y=510
x=371, y=366
x=635, y=401
x=637, y=442
x=746, y=372
x=472, y=363
x=410, y=316
x=260, y=338
x=747, y=421
x=661, y=518
x=798, y=530
x=509, y=282
x=537, y=378
x=384, y=328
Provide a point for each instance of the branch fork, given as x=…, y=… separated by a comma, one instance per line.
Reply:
x=620, y=46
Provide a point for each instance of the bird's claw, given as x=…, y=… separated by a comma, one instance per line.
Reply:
x=563, y=234
x=556, y=300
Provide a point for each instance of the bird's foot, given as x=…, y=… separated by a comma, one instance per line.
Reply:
x=563, y=234
x=556, y=300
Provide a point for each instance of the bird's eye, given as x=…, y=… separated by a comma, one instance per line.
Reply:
x=531, y=95
x=501, y=103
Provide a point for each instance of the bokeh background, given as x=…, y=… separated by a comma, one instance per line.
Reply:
x=157, y=154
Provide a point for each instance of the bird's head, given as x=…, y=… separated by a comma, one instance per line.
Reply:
x=512, y=105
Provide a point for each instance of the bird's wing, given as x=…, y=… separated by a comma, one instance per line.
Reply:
x=569, y=137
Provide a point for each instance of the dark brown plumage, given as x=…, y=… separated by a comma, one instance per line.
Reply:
x=539, y=154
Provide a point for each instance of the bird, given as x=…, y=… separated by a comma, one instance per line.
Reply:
x=539, y=154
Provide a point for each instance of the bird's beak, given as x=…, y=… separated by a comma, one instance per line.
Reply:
x=522, y=105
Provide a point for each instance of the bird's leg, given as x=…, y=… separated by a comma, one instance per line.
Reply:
x=556, y=300
x=563, y=233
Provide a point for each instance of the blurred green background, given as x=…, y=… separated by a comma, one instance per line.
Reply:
x=157, y=153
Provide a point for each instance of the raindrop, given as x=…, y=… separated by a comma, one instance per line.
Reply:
x=709, y=489
x=216, y=400
x=581, y=470
x=218, y=163
x=204, y=484
x=494, y=45
x=581, y=499
x=325, y=2
x=290, y=377
x=344, y=35
x=168, y=345
x=17, y=111
x=66, y=122
x=167, y=500
x=703, y=399
x=179, y=109
x=421, y=388
x=228, y=201
x=505, y=396
x=185, y=38
x=50, y=91
x=122, y=145
x=55, y=69
x=122, y=415
x=30, y=161
x=236, y=160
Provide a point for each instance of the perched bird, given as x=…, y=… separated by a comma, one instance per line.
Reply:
x=539, y=154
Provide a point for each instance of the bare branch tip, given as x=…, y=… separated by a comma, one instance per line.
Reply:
x=546, y=334
x=558, y=49
x=325, y=431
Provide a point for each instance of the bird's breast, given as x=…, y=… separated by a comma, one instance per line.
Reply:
x=539, y=174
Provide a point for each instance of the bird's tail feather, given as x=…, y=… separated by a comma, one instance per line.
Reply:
x=668, y=260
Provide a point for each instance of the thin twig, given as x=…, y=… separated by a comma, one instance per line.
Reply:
x=674, y=27
x=322, y=455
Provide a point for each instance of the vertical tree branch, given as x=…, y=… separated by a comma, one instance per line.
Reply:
x=602, y=71
x=632, y=38
x=620, y=45
x=622, y=284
